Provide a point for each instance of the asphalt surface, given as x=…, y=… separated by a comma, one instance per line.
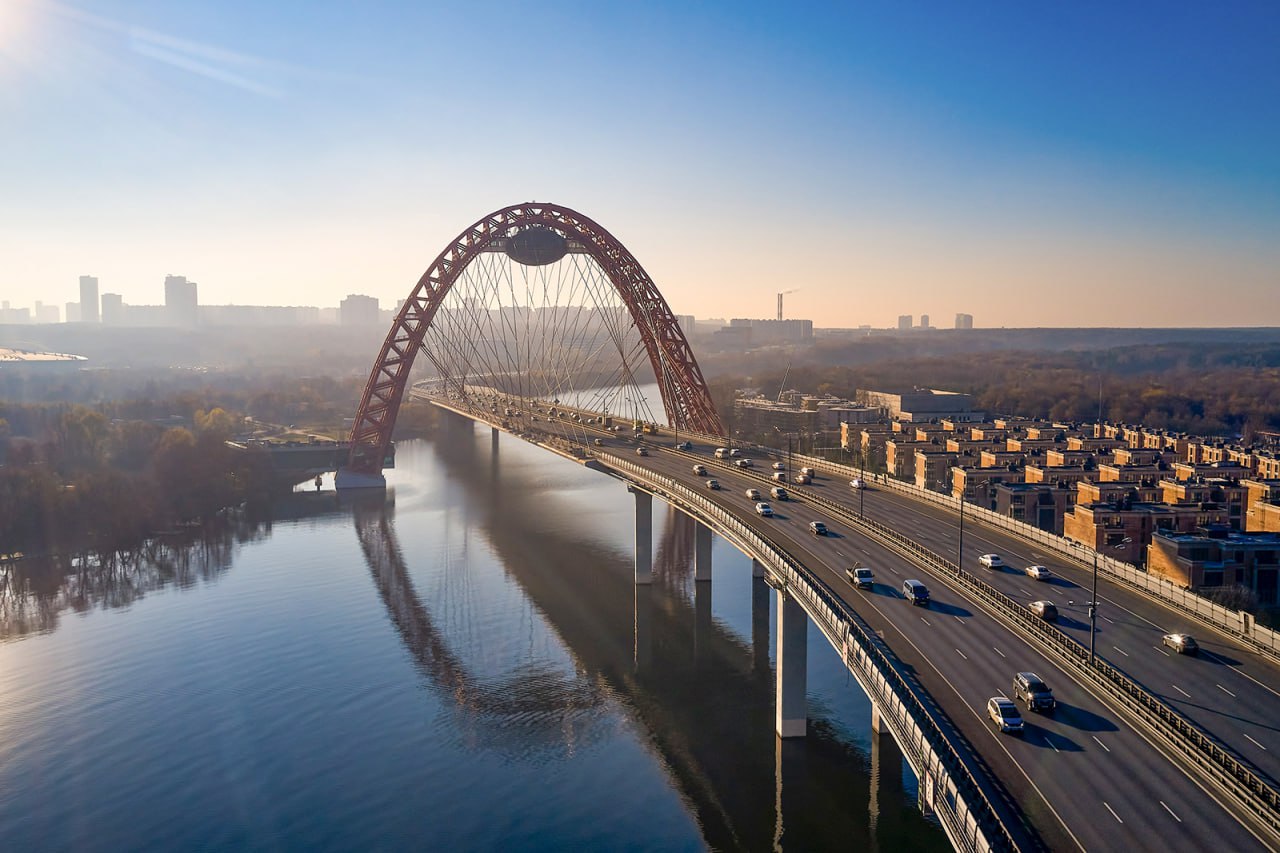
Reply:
x=1083, y=777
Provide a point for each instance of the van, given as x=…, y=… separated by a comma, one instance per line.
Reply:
x=722, y=453
x=915, y=592
x=779, y=476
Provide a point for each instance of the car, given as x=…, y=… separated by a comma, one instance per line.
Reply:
x=753, y=494
x=640, y=451
x=855, y=483
x=1183, y=644
x=683, y=445
x=599, y=442
x=1039, y=573
x=764, y=509
x=722, y=453
x=1046, y=610
x=778, y=466
x=802, y=479
x=714, y=485
x=808, y=472
x=745, y=463
x=779, y=493
x=735, y=452
x=991, y=561
x=1030, y=688
x=1004, y=714
x=817, y=528
x=779, y=477
x=860, y=576
x=915, y=592
x=700, y=470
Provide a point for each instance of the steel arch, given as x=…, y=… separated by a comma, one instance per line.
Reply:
x=685, y=396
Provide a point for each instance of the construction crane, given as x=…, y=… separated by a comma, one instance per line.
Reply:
x=782, y=294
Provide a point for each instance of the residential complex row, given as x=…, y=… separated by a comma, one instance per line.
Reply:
x=1201, y=512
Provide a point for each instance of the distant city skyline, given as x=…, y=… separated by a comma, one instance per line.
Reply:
x=1062, y=166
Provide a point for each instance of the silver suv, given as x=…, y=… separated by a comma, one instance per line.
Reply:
x=1030, y=688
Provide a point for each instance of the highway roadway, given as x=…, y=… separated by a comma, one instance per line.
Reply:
x=1083, y=775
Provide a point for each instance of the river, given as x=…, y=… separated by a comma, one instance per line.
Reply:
x=452, y=665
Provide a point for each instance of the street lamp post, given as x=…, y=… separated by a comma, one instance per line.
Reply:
x=960, y=536
x=1093, y=598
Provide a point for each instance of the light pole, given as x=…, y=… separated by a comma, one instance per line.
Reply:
x=1093, y=598
x=960, y=536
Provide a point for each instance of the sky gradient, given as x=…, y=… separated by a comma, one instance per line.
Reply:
x=1043, y=165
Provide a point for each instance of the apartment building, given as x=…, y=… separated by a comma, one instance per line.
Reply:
x=1214, y=559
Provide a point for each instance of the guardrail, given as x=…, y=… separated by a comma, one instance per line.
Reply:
x=1194, y=745
x=966, y=814
x=1237, y=623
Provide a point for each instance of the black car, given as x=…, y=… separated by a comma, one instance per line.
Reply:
x=1030, y=688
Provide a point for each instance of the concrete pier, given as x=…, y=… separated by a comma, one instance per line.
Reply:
x=644, y=535
x=792, y=667
x=702, y=537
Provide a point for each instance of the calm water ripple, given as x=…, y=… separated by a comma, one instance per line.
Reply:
x=450, y=666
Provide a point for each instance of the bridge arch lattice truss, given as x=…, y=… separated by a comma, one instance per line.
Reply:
x=684, y=392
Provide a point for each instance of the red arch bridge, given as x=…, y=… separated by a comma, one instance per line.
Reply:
x=539, y=323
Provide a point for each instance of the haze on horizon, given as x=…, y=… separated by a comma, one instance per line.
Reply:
x=1084, y=165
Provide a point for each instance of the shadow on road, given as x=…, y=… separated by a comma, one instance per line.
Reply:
x=1082, y=719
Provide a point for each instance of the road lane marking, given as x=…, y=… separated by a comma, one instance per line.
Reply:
x=1170, y=811
x=1120, y=650
x=1255, y=743
x=1113, y=811
x=997, y=651
x=1050, y=742
x=1183, y=692
x=1226, y=691
x=962, y=654
x=1105, y=619
x=958, y=619
x=1160, y=650
x=926, y=621
x=1100, y=743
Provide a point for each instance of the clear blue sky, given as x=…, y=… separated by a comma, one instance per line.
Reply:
x=1032, y=164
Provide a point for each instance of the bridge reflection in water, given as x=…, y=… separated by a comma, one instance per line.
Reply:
x=702, y=695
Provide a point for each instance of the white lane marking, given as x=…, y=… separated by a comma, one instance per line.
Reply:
x=892, y=569
x=1183, y=692
x=997, y=651
x=958, y=619
x=1226, y=691
x=1100, y=743
x=1120, y=650
x=1238, y=671
x=1105, y=619
x=1113, y=811
x=1024, y=592
x=926, y=621
x=962, y=654
x=1255, y=743
x=1050, y=742
x=1160, y=650
x=1170, y=811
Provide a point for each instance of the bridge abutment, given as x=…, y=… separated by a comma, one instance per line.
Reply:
x=792, y=667
x=644, y=535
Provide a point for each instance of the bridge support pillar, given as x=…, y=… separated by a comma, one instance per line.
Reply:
x=701, y=552
x=886, y=772
x=496, y=433
x=644, y=535
x=759, y=624
x=792, y=666
x=757, y=568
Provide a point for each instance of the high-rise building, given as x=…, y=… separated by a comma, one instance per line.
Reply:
x=112, y=308
x=88, y=299
x=924, y=321
x=964, y=321
x=357, y=310
x=47, y=313
x=180, y=301
x=73, y=312
x=904, y=322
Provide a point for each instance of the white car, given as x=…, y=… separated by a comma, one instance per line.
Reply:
x=991, y=561
x=735, y=452
x=1004, y=714
x=764, y=509
x=684, y=445
x=745, y=463
x=778, y=466
x=808, y=472
x=817, y=528
x=1039, y=573
x=855, y=483
x=714, y=485
x=700, y=470
x=802, y=479
x=753, y=494
x=640, y=451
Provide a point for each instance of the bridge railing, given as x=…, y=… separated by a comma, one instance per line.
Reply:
x=961, y=805
x=1234, y=622
x=1192, y=744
